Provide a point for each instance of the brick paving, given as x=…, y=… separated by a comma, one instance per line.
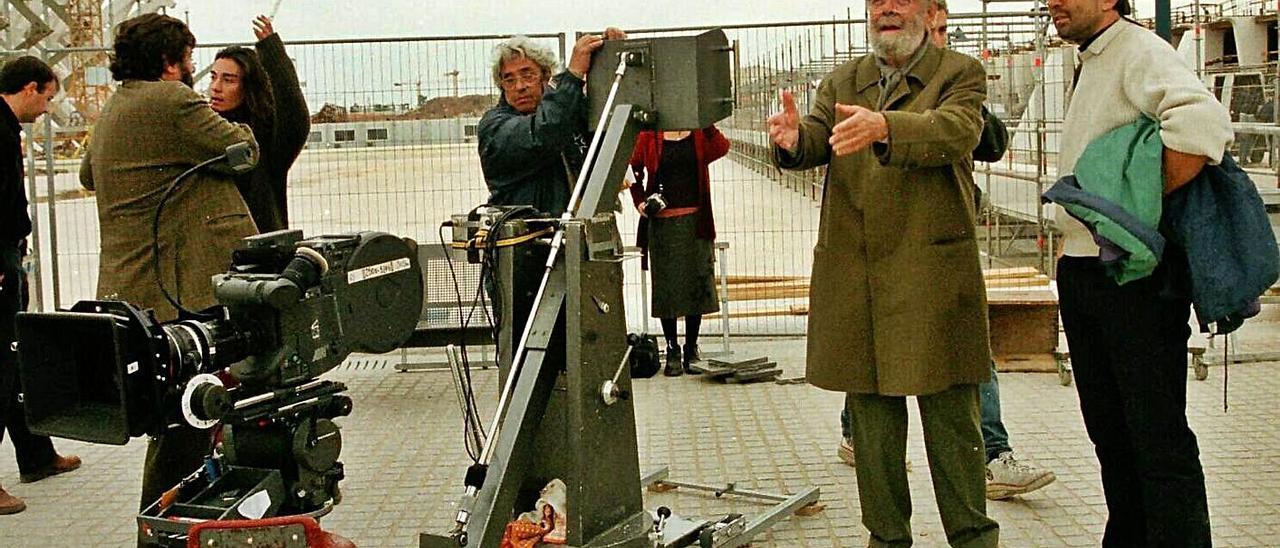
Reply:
x=404, y=458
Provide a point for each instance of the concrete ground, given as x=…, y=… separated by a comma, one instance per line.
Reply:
x=403, y=444
x=404, y=458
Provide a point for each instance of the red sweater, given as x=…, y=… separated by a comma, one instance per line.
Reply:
x=709, y=145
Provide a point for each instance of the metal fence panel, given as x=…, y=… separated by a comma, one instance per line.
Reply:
x=393, y=149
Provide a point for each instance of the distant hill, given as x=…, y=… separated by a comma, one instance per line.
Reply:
x=451, y=107
x=435, y=108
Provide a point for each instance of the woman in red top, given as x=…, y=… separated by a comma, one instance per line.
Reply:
x=677, y=231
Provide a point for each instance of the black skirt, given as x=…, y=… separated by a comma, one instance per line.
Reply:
x=681, y=268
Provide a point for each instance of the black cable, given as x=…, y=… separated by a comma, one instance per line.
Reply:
x=155, y=234
x=474, y=435
x=473, y=428
x=489, y=268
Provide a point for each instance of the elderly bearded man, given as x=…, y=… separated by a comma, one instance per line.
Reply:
x=899, y=307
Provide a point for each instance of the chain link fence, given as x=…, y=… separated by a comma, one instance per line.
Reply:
x=392, y=148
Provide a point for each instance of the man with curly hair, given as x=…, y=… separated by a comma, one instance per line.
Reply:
x=532, y=147
x=154, y=128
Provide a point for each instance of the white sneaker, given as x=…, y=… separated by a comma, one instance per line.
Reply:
x=845, y=452
x=1008, y=477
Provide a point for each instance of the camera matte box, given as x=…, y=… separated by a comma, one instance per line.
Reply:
x=77, y=377
x=683, y=80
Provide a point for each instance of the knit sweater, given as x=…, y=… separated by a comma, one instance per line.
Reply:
x=1126, y=72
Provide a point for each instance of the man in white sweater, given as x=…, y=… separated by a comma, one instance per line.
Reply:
x=1129, y=343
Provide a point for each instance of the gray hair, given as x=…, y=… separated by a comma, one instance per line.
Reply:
x=522, y=46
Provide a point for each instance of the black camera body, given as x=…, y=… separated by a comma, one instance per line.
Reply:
x=654, y=204
x=290, y=310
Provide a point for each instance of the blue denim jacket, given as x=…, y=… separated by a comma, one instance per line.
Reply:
x=1221, y=222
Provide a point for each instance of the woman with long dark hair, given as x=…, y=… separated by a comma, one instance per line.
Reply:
x=677, y=231
x=259, y=87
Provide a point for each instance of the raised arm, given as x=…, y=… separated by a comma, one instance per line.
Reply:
x=292, y=124
x=809, y=134
x=940, y=136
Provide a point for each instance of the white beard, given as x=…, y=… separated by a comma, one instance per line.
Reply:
x=898, y=47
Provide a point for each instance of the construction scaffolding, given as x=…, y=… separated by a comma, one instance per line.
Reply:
x=54, y=29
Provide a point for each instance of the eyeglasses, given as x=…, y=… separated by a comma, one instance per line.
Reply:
x=887, y=3
x=527, y=76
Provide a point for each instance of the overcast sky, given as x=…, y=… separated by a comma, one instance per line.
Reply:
x=394, y=74
x=229, y=20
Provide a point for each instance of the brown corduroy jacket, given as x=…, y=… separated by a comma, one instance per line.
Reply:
x=148, y=134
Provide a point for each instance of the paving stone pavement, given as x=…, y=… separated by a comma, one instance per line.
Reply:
x=404, y=458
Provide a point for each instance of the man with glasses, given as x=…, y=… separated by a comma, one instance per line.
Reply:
x=898, y=306
x=532, y=146
x=1007, y=476
x=533, y=143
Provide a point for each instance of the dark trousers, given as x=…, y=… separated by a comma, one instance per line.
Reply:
x=172, y=457
x=529, y=266
x=1129, y=355
x=953, y=444
x=33, y=451
x=994, y=435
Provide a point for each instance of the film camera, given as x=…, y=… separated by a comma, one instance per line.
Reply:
x=289, y=310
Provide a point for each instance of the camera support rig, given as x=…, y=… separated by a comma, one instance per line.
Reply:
x=578, y=424
x=289, y=311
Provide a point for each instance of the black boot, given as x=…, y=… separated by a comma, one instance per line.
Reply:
x=674, y=368
x=691, y=356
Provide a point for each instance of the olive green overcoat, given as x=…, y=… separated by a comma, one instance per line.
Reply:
x=897, y=301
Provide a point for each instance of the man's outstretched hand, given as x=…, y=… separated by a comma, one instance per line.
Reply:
x=784, y=127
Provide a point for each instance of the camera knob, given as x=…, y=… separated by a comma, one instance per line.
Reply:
x=211, y=402
x=204, y=401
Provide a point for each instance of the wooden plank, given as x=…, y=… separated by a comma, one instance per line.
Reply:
x=1026, y=363
x=748, y=279
x=804, y=284
x=1039, y=280
x=788, y=290
x=793, y=310
x=1021, y=297
x=989, y=274
x=1016, y=272
x=764, y=293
